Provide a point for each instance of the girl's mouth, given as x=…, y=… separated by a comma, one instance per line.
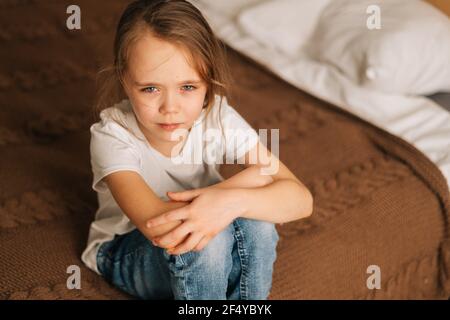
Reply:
x=169, y=126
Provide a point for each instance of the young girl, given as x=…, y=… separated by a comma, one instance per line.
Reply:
x=169, y=226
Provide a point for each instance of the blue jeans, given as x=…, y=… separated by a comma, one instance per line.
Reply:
x=237, y=264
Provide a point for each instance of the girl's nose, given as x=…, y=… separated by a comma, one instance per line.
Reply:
x=169, y=105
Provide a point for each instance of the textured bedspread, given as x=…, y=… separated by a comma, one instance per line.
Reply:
x=378, y=200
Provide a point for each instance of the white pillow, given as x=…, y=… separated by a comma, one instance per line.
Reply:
x=410, y=54
x=284, y=25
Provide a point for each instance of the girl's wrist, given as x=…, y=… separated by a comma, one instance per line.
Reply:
x=238, y=202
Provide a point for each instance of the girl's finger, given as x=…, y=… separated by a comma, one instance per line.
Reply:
x=180, y=196
x=187, y=195
x=176, y=214
x=190, y=243
x=175, y=244
x=175, y=236
x=203, y=243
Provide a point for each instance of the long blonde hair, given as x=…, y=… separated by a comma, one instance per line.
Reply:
x=175, y=21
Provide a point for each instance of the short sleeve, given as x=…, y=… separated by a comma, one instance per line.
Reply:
x=111, y=150
x=240, y=137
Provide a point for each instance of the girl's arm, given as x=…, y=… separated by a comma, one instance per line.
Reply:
x=247, y=178
x=280, y=196
x=276, y=196
x=140, y=203
x=282, y=201
x=212, y=208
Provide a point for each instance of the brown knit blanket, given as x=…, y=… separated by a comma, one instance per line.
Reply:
x=378, y=200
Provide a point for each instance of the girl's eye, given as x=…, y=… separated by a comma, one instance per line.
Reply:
x=154, y=89
x=189, y=88
x=149, y=89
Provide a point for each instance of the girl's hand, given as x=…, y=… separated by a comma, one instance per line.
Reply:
x=211, y=211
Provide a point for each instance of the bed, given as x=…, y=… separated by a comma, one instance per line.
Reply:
x=378, y=200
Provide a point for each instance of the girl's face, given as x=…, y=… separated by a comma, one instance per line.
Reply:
x=163, y=88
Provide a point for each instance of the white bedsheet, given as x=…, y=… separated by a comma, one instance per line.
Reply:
x=418, y=120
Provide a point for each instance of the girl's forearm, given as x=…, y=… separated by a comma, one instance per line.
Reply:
x=250, y=177
x=247, y=178
x=278, y=202
x=169, y=226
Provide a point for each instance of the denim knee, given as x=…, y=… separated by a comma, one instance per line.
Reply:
x=203, y=274
x=216, y=254
x=260, y=234
x=257, y=241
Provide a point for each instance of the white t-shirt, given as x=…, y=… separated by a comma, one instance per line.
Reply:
x=113, y=148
